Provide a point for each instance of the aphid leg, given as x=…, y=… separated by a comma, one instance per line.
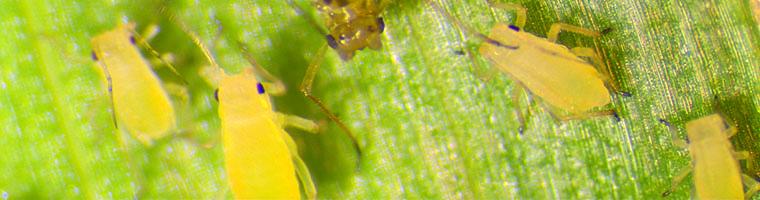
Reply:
x=178, y=91
x=305, y=88
x=517, y=94
x=210, y=75
x=591, y=114
x=151, y=31
x=190, y=137
x=110, y=94
x=751, y=184
x=741, y=155
x=730, y=132
x=301, y=170
x=599, y=64
x=305, y=177
x=521, y=11
x=677, y=180
x=144, y=139
x=297, y=122
x=484, y=75
x=677, y=141
x=553, y=33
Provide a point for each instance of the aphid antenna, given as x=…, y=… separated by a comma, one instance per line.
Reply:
x=300, y=11
x=143, y=42
x=674, y=134
x=193, y=36
x=306, y=89
x=466, y=28
x=278, y=87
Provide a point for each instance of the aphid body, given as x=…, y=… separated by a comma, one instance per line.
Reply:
x=549, y=70
x=140, y=103
x=261, y=159
x=257, y=151
x=716, y=170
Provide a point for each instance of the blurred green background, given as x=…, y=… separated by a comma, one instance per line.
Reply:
x=429, y=126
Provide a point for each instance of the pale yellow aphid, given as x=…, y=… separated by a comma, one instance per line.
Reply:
x=261, y=159
x=259, y=155
x=548, y=70
x=714, y=161
x=140, y=104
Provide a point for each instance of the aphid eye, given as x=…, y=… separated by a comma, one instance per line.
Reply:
x=216, y=95
x=513, y=27
x=725, y=125
x=380, y=24
x=606, y=31
x=331, y=41
x=94, y=56
x=132, y=39
x=327, y=1
x=260, y=88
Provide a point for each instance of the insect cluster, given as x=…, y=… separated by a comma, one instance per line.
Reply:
x=261, y=160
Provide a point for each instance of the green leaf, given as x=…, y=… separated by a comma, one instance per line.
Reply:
x=428, y=125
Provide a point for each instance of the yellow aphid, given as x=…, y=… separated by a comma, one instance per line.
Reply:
x=258, y=154
x=714, y=161
x=547, y=69
x=556, y=74
x=140, y=104
x=261, y=159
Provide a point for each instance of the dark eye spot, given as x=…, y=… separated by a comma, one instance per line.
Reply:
x=327, y=1
x=94, y=56
x=664, y=122
x=726, y=125
x=331, y=41
x=380, y=24
x=513, y=27
x=216, y=95
x=132, y=39
x=260, y=88
x=606, y=31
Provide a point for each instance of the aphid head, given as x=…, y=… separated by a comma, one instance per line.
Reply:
x=352, y=26
x=243, y=92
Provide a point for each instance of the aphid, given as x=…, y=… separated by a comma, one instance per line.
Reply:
x=714, y=161
x=261, y=159
x=139, y=102
x=352, y=25
x=556, y=74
